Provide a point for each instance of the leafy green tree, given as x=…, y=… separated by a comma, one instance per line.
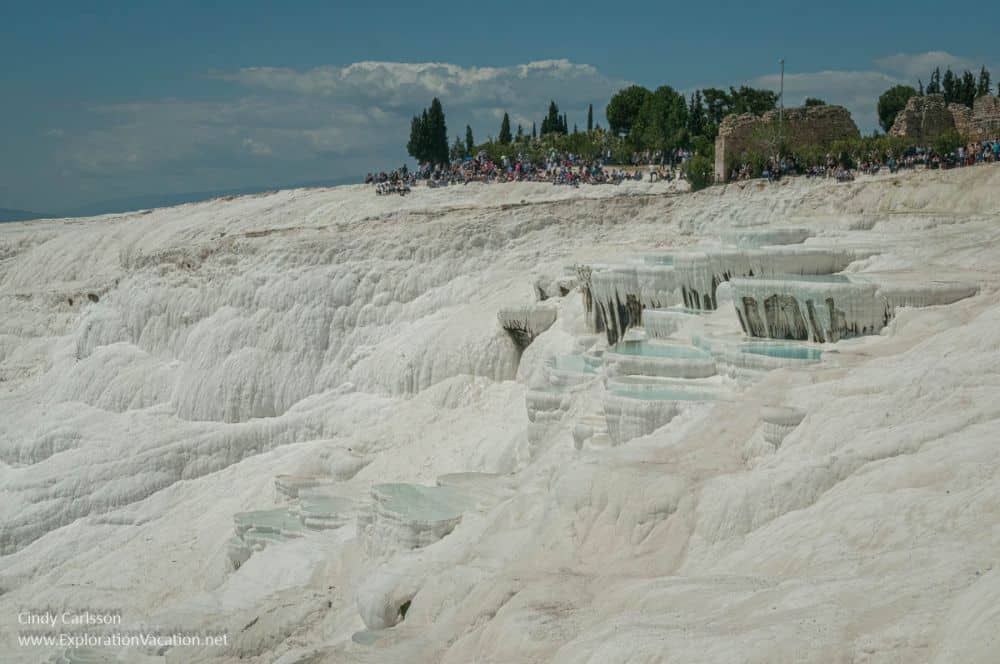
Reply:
x=699, y=171
x=891, y=102
x=505, y=136
x=717, y=104
x=590, y=113
x=752, y=100
x=469, y=143
x=662, y=121
x=812, y=101
x=623, y=109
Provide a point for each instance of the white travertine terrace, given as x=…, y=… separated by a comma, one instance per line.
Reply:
x=834, y=308
x=620, y=293
x=760, y=237
x=700, y=273
x=663, y=323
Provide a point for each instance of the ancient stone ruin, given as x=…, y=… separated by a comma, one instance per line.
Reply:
x=925, y=118
x=805, y=126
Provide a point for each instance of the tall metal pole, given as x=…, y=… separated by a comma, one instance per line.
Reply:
x=781, y=110
x=781, y=95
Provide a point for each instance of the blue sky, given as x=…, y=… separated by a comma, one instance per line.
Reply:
x=106, y=100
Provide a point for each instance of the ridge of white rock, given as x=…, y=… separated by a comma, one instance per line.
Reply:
x=527, y=321
x=233, y=347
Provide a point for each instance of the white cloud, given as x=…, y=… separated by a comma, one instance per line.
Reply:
x=920, y=65
x=336, y=116
x=396, y=84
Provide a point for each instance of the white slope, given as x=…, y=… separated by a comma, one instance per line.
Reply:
x=158, y=370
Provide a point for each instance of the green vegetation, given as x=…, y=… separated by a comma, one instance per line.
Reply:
x=947, y=142
x=624, y=107
x=812, y=101
x=663, y=120
x=505, y=136
x=589, y=145
x=699, y=171
x=429, y=135
x=891, y=102
x=553, y=123
x=959, y=89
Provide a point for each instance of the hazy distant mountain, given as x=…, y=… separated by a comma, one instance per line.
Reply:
x=7, y=214
x=168, y=200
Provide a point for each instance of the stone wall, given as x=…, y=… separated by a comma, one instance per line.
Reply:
x=986, y=117
x=804, y=126
x=925, y=118
x=961, y=116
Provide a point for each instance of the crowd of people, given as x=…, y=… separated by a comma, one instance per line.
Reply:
x=843, y=167
x=556, y=168
x=573, y=170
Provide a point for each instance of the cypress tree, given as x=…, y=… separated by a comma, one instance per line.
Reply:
x=534, y=131
x=949, y=86
x=505, y=136
x=590, y=118
x=469, y=143
x=983, y=88
x=419, y=144
x=934, y=84
x=414, y=147
x=553, y=122
x=437, y=134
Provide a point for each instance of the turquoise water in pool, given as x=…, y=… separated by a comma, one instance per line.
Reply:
x=276, y=521
x=575, y=364
x=658, y=259
x=644, y=348
x=784, y=351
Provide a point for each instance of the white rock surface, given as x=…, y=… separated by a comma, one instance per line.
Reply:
x=305, y=331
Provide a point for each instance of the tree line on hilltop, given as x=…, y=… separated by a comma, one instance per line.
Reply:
x=639, y=120
x=959, y=89
x=642, y=122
